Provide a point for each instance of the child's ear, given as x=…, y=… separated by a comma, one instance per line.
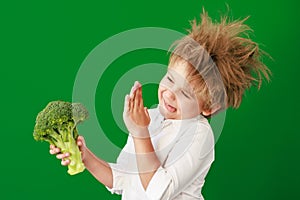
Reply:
x=211, y=111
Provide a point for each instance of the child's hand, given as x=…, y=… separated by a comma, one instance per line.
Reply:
x=135, y=115
x=64, y=156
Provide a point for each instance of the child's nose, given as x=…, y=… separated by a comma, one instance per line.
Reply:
x=170, y=94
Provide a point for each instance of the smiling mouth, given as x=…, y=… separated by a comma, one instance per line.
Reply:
x=169, y=107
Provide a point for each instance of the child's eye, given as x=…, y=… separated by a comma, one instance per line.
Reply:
x=169, y=79
x=185, y=94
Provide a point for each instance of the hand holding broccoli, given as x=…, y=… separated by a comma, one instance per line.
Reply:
x=57, y=124
x=65, y=156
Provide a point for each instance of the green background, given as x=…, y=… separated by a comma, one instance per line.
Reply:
x=43, y=44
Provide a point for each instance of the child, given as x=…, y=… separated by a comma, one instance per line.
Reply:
x=170, y=148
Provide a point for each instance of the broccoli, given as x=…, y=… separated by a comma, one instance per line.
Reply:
x=56, y=124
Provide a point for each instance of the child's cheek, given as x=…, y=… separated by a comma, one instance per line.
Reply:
x=189, y=109
x=160, y=90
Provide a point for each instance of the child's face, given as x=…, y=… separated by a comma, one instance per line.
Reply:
x=176, y=97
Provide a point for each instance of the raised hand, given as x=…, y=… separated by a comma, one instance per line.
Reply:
x=135, y=115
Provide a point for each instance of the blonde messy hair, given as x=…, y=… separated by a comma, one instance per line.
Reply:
x=222, y=60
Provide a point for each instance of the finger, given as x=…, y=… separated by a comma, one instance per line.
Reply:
x=137, y=99
x=80, y=140
x=62, y=155
x=130, y=104
x=133, y=96
x=135, y=86
x=54, y=150
x=141, y=102
x=126, y=103
x=146, y=111
x=51, y=151
x=52, y=146
x=65, y=162
x=132, y=91
x=59, y=156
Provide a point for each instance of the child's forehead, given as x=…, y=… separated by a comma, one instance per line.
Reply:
x=184, y=70
x=179, y=68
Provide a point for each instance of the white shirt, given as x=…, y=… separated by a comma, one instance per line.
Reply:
x=185, y=149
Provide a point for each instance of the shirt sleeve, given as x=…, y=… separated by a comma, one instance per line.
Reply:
x=190, y=158
x=121, y=168
x=125, y=165
x=118, y=180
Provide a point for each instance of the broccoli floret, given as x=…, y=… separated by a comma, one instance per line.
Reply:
x=56, y=124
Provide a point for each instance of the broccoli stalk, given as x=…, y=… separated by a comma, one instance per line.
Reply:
x=57, y=124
